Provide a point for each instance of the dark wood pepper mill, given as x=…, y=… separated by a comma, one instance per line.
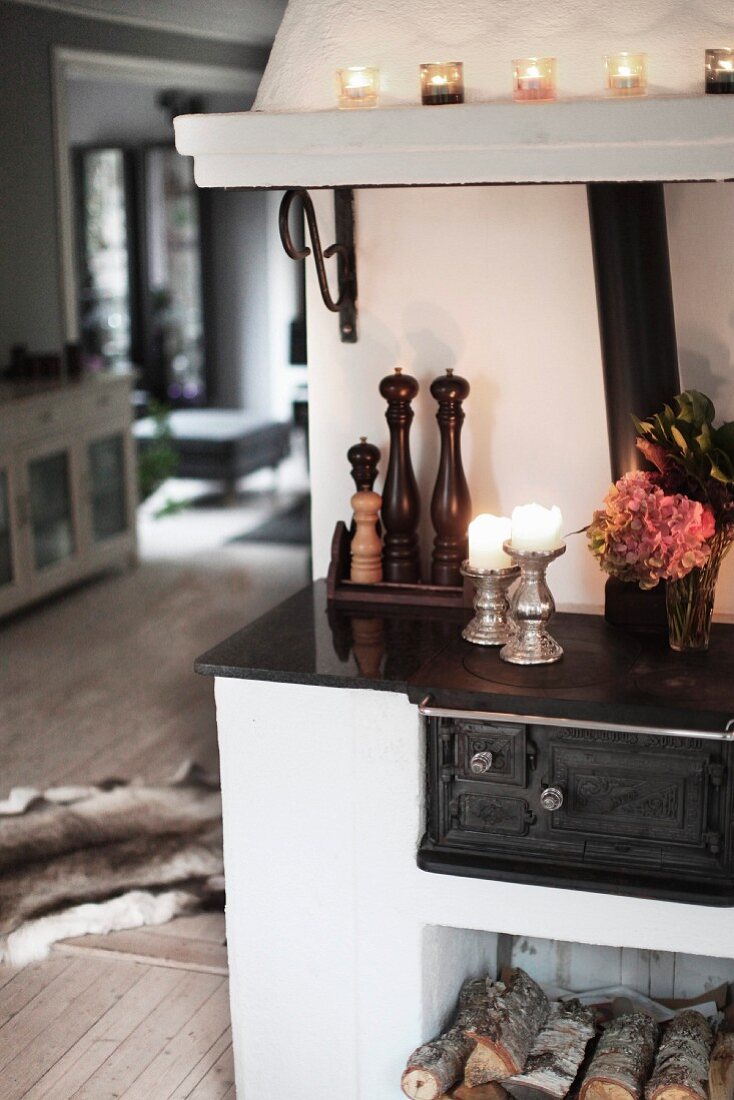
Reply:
x=400, y=501
x=363, y=458
x=451, y=501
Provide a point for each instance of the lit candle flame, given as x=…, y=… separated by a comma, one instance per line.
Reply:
x=624, y=70
x=532, y=70
x=727, y=66
x=438, y=81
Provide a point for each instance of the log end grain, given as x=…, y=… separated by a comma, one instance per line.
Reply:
x=490, y=1091
x=606, y=1090
x=420, y=1084
x=486, y=1064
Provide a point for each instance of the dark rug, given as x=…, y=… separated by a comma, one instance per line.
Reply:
x=291, y=527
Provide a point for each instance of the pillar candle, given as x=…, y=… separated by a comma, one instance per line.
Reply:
x=536, y=528
x=486, y=535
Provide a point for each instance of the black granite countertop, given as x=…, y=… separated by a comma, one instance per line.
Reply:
x=606, y=675
x=302, y=641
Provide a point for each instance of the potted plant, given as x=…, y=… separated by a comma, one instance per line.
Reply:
x=675, y=523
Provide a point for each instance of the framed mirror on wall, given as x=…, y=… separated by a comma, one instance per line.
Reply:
x=113, y=136
x=139, y=244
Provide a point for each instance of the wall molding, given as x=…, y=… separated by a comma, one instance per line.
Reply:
x=263, y=41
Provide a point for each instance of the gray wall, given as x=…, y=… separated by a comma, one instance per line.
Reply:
x=120, y=112
x=239, y=298
x=30, y=306
x=253, y=299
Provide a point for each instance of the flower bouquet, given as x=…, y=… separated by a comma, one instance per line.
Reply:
x=676, y=523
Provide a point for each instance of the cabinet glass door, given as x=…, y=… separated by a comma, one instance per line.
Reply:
x=107, y=487
x=52, y=524
x=6, y=550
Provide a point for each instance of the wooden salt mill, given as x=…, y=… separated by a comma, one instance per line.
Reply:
x=400, y=502
x=451, y=501
x=366, y=543
x=363, y=458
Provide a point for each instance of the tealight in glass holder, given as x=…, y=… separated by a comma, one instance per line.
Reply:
x=532, y=609
x=442, y=82
x=534, y=79
x=720, y=72
x=492, y=623
x=625, y=74
x=359, y=87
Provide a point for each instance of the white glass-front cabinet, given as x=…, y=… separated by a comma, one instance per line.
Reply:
x=12, y=566
x=67, y=488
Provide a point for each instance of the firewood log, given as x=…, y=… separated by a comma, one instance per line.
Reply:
x=505, y=1033
x=682, y=1063
x=490, y=1091
x=623, y=1059
x=556, y=1054
x=574, y=1093
x=721, y=1068
x=434, y=1067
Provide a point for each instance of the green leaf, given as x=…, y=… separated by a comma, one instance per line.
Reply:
x=723, y=438
x=704, y=439
x=662, y=427
x=722, y=467
x=695, y=407
x=680, y=439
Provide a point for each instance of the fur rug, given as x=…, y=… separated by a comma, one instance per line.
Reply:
x=104, y=858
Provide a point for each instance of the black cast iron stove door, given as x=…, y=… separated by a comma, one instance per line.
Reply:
x=606, y=810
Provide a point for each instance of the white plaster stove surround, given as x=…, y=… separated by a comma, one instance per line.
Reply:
x=318, y=36
x=343, y=955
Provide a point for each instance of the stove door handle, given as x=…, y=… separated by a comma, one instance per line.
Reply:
x=428, y=710
x=551, y=799
x=481, y=762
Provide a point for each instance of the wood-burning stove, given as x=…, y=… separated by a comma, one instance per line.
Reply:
x=587, y=808
x=612, y=771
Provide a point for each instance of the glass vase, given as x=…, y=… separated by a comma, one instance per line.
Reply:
x=690, y=601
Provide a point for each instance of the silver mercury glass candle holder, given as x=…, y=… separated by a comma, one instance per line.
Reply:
x=492, y=624
x=533, y=608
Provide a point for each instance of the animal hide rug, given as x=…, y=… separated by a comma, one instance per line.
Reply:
x=97, y=859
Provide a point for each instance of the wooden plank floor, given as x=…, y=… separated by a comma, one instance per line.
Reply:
x=98, y=683
x=113, y=1020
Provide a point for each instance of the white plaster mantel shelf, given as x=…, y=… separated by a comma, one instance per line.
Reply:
x=676, y=138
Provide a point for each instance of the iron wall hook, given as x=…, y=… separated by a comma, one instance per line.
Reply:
x=345, y=303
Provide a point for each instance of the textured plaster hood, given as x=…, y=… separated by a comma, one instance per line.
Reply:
x=318, y=36
x=295, y=136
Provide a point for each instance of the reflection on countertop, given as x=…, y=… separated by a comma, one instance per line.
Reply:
x=306, y=641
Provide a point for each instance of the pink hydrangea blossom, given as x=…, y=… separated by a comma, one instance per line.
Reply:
x=646, y=535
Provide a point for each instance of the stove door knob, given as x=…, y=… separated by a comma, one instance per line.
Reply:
x=481, y=762
x=551, y=799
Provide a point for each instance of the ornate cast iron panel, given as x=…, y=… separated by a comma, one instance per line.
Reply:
x=493, y=814
x=506, y=744
x=590, y=809
x=651, y=795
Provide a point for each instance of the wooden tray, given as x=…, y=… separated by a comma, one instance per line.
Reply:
x=340, y=590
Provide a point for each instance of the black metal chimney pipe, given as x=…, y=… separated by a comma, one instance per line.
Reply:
x=634, y=296
x=629, y=236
